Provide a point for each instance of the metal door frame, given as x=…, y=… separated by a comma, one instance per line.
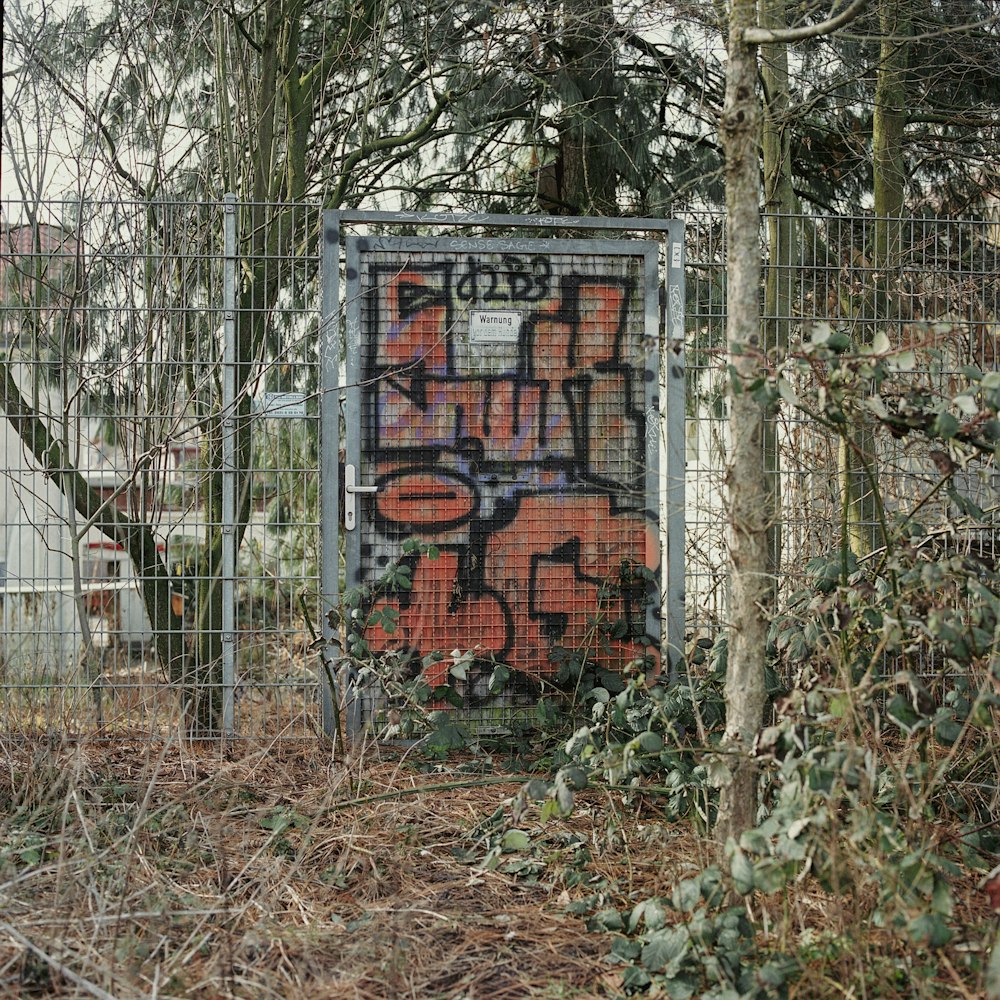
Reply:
x=662, y=305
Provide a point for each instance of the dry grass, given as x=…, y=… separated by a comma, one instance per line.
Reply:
x=203, y=871
x=144, y=870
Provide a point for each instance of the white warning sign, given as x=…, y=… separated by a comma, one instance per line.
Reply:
x=281, y=405
x=494, y=326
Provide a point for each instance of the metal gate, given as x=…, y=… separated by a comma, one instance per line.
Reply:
x=501, y=477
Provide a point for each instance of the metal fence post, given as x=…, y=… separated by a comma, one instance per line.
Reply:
x=228, y=526
x=329, y=408
x=675, y=499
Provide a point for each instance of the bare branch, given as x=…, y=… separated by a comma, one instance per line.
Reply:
x=762, y=36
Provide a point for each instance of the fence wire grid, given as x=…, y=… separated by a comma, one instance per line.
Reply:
x=161, y=503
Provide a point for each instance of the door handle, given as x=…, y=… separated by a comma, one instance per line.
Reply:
x=351, y=488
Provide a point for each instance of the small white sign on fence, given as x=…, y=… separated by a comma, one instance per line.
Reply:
x=281, y=405
x=494, y=326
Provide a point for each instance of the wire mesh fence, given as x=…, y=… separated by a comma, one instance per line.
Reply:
x=161, y=497
x=160, y=494
x=931, y=296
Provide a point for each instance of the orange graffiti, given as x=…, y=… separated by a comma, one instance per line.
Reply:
x=528, y=476
x=437, y=612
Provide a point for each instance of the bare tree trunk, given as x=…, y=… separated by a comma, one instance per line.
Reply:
x=889, y=188
x=780, y=204
x=746, y=494
x=888, y=124
x=135, y=538
x=747, y=491
x=271, y=176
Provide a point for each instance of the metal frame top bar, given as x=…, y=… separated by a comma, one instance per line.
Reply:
x=492, y=244
x=514, y=221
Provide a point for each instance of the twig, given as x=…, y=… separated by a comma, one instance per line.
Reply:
x=64, y=971
x=958, y=979
x=511, y=779
x=446, y=786
x=332, y=686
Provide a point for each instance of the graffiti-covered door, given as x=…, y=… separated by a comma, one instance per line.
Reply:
x=502, y=442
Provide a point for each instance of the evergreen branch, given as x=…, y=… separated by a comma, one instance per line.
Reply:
x=116, y=165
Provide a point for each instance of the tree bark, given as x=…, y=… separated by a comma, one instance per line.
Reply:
x=588, y=143
x=888, y=125
x=748, y=511
x=780, y=204
x=889, y=189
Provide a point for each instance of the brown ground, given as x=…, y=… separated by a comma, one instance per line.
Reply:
x=165, y=872
x=205, y=871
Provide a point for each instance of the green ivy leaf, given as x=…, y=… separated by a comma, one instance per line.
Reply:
x=536, y=789
x=686, y=895
x=820, y=334
x=606, y=920
x=742, y=872
x=776, y=973
x=515, y=840
x=635, y=980
x=681, y=987
x=769, y=876
x=929, y=929
x=665, y=947
x=576, y=743
x=281, y=819
x=564, y=796
x=651, y=742
x=941, y=898
x=839, y=706
x=901, y=712
x=786, y=392
x=754, y=842
x=277, y=821
x=712, y=887
x=499, y=678
x=421, y=692
x=650, y=912
x=946, y=425
x=550, y=810
x=839, y=342
x=625, y=948
x=881, y=343
x=575, y=777
x=947, y=731
x=445, y=692
x=446, y=735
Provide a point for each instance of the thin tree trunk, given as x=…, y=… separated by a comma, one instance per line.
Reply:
x=780, y=204
x=889, y=187
x=135, y=538
x=888, y=125
x=280, y=38
x=746, y=484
